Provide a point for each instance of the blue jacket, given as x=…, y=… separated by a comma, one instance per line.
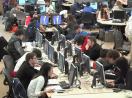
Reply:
x=88, y=9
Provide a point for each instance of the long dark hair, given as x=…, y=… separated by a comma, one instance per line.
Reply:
x=104, y=13
x=122, y=64
x=46, y=67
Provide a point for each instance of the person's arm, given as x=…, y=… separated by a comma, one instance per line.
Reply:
x=19, y=48
x=39, y=86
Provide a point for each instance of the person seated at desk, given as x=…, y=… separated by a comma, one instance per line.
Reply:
x=92, y=48
x=118, y=5
x=36, y=87
x=88, y=9
x=79, y=32
x=120, y=70
x=102, y=58
x=69, y=29
x=103, y=14
x=27, y=71
x=15, y=45
x=22, y=59
x=49, y=8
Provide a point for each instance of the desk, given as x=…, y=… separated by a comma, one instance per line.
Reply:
x=109, y=22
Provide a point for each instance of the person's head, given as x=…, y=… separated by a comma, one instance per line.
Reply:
x=122, y=66
x=17, y=7
x=80, y=40
x=104, y=8
x=112, y=56
x=103, y=53
x=46, y=71
x=47, y=3
x=37, y=52
x=88, y=4
x=19, y=34
x=77, y=29
x=91, y=41
x=31, y=58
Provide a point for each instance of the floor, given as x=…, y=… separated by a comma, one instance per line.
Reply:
x=4, y=89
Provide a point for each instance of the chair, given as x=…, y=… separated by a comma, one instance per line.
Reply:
x=18, y=89
x=7, y=82
x=88, y=19
x=119, y=44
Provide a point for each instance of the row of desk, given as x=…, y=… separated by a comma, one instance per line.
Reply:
x=86, y=80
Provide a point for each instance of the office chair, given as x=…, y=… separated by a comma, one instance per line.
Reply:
x=7, y=82
x=119, y=44
x=88, y=20
x=18, y=89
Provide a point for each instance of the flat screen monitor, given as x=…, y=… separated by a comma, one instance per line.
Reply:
x=42, y=9
x=86, y=62
x=68, y=49
x=100, y=71
x=32, y=1
x=44, y=20
x=57, y=20
x=72, y=74
x=53, y=4
x=78, y=53
x=45, y=46
x=61, y=62
x=21, y=2
x=51, y=53
x=105, y=3
x=131, y=13
x=39, y=38
x=94, y=5
x=119, y=14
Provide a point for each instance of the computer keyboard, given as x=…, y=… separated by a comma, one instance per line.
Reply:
x=64, y=85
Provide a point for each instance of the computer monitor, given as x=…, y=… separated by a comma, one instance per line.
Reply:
x=78, y=54
x=44, y=20
x=86, y=62
x=45, y=46
x=121, y=15
x=53, y=4
x=55, y=37
x=61, y=43
x=57, y=20
x=105, y=3
x=100, y=72
x=51, y=53
x=68, y=49
x=42, y=9
x=131, y=13
x=94, y=5
x=72, y=74
x=61, y=62
x=39, y=38
x=21, y=2
x=32, y=1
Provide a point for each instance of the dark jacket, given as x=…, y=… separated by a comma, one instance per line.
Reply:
x=13, y=50
x=25, y=74
x=93, y=52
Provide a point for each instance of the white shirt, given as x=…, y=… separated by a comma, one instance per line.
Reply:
x=35, y=86
x=50, y=9
x=19, y=62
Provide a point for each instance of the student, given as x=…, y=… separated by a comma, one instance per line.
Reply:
x=79, y=32
x=92, y=49
x=102, y=58
x=15, y=45
x=49, y=8
x=120, y=70
x=22, y=59
x=36, y=88
x=103, y=14
x=88, y=9
x=27, y=71
x=111, y=57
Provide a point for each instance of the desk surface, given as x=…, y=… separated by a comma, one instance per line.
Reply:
x=109, y=22
x=67, y=4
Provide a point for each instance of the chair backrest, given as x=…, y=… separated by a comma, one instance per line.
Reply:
x=8, y=63
x=87, y=18
x=118, y=39
x=129, y=80
x=18, y=89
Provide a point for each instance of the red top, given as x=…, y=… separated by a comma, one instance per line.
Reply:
x=27, y=21
x=83, y=46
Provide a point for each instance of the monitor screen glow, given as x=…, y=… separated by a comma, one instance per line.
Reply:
x=57, y=20
x=44, y=20
x=94, y=5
